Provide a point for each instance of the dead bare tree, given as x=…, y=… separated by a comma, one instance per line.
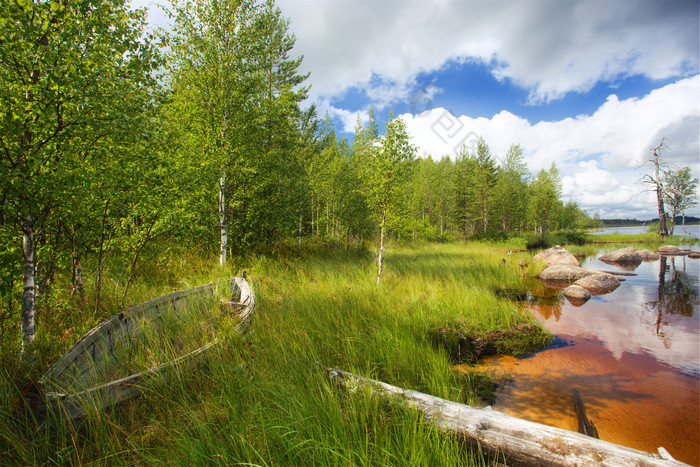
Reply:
x=657, y=183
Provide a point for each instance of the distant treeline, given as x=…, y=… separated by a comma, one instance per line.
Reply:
x=635, y=222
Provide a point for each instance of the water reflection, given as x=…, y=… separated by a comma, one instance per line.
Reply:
x=678, y=290
x=634, y=358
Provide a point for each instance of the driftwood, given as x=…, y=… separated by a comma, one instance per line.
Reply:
x=72, y=384
x=518, y=441
x=585, y=426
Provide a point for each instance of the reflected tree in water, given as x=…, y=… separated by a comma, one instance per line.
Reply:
x=677, y=297
x=545, y=300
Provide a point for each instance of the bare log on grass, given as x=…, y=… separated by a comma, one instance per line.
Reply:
x=518, y=441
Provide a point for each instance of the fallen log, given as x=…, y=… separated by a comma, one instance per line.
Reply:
x=585, y=426
x=518, y=441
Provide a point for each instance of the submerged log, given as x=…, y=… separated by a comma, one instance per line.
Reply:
x=585, y=426
x=519, y=441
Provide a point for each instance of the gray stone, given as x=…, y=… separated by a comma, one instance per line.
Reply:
x=623, y=255
x=599, y=284
x=669, y=250
x=556, y=255
x=576, y=292
x=648, y=255
x=565, y=273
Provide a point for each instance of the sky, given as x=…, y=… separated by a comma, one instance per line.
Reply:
x=589, y=85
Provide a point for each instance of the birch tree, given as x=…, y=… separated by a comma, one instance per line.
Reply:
x=71, y=74
x=212, y=80
x=387, y=167
x=545, y=190
x=679, y=193
x=236, y=96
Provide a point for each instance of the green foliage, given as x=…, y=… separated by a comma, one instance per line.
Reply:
x=235, y=118
x=78, y=86
x=544, y=200
x=679, y=192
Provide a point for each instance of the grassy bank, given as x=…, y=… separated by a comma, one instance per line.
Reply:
x=264, y=399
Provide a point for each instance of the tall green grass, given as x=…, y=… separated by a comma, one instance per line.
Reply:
x=264, y=398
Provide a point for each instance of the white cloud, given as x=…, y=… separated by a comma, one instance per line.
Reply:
x=348, y=118
x=598, y=155
x=547, y=47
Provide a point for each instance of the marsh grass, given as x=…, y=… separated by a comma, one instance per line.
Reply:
x=264, y=398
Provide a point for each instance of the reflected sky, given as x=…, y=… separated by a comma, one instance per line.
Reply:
x=634, y=356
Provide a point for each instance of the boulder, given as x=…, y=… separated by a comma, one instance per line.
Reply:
x=669, y=250
x=556, y=255
x=599, y=284
x=565, y=273
x=648, y=255
x=577, y=295
x=623, y=255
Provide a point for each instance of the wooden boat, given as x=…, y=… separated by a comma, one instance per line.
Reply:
x=91, y=373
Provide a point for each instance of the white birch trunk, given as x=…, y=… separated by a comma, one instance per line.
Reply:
x=222, y=218
x=380, y=256
x=301, y=218
x=28, y=289
x=78, y=284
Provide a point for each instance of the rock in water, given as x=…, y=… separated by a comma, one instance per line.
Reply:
x=577, y=295
x=648, y=255
x=599, y=284
x=565, y=273
x=556, y=255
x=669, y=250
x=623, y=255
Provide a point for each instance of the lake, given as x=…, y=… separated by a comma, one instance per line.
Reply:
x=692, y=231
x=633, y=355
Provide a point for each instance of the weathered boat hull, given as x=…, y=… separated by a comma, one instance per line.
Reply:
x=73, y=384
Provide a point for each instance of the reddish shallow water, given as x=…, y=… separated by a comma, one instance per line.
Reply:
x=633, y=355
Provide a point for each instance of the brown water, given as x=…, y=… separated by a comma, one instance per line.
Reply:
x=633, y=355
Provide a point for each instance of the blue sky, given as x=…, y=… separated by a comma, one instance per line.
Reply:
x=469, y=88
x=588, y=85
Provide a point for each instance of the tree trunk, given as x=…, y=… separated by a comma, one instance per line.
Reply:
x=77, y=279
x=380, y=256
x=28, y=298
x=509, y=440
x=673, y=221
x=301, y=218
x=222, y=218
x=663, y=231
x=102, y=256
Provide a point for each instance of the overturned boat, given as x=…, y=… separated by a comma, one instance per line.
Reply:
x=136, y=348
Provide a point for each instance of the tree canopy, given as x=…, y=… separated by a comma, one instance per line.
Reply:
x=114, y=141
